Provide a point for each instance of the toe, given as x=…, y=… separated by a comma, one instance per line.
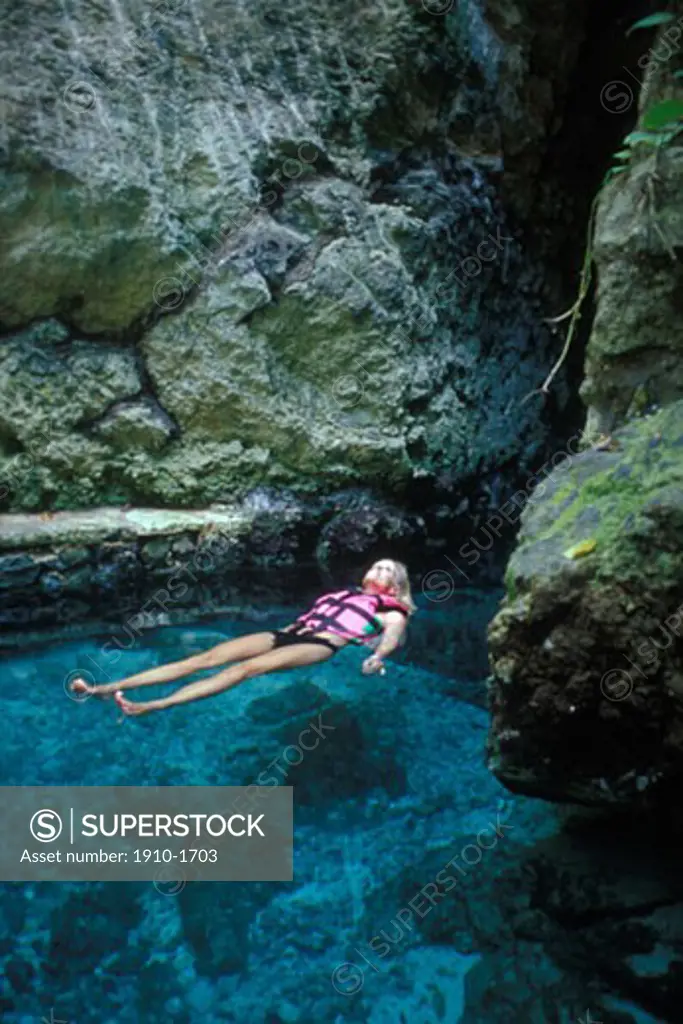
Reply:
x=121, y=700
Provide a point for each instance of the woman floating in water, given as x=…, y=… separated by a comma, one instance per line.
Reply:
x=378, y=610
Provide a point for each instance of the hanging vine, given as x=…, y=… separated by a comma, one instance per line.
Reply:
x=660, y=124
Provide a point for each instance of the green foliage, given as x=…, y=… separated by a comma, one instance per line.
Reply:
x=660, y=124
x=663, y=114
x=635, y=137
x=661, y=18
x=662, y=121
x=652, y=138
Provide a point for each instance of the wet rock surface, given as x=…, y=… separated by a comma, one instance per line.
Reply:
x=141, y=567
x=586, y=651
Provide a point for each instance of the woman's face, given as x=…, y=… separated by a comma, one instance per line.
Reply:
x=381, y=576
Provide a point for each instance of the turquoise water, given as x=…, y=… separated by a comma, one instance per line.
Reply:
x=397, y=790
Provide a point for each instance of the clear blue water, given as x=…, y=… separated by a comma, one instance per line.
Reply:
x=396, y=791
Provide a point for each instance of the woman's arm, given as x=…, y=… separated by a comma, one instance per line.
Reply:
x=394, y=628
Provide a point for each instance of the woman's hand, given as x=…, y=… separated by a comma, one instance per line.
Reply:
x=373, y=664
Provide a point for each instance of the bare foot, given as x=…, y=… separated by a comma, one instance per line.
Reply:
x=79, y=685
x=131, y=707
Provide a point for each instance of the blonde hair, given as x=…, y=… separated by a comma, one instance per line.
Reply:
x=402, y=583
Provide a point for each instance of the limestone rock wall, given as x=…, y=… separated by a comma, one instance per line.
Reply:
x=253, y=244
x=634, y=359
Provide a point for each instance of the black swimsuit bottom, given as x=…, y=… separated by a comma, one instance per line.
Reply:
x=300, y=635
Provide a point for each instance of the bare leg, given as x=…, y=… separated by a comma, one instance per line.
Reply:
x=232, y=650
x=278, y=660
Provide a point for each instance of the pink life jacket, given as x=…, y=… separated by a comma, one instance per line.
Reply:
x=350, y=614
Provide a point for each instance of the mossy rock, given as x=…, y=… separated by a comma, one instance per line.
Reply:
x=618, y=497
x=98, y=258
x=46, y=391
x=136, y=425
x=270, y=376
x=586, y=651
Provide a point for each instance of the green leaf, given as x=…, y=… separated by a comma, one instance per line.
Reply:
x=678, y=74
x=611, y=172
x=663, y=114
x=661, y=18
x=623, y=154
x=636, y=137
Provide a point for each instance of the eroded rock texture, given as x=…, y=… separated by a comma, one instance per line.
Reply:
x=635, y=352
x=275, y=244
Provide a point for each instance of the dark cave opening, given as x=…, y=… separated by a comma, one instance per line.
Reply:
x=600, y=108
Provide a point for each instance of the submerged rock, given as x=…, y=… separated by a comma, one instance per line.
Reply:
x=421, y=892
x=587, y=688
